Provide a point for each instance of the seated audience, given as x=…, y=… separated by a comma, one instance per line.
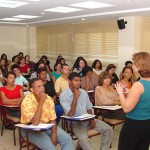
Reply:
x=126, y=79
x=62, y=60
x=39, y=65
x=4, y=67
x=24, y=68
x=75, y=102
x=36, y=108
x=2, y=78
x=58, y=57
x=20, y=80
x=129, y=64
x=105, y=94
x=57, y=72
x=30, y=63
x=79, y=64
x=97, y=67
x=15, y=60
x=89, y=81
x=62, y=82
x=50, y=91
x=20, y=55
x=111, y=70
x=11, y=95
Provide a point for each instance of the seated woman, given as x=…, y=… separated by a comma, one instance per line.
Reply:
x=79, y=64
x=24, y=68
x=89, y=81
x=97, y=67
x=49, y=90
x=111, y=70
x=57, y=72
x=39, y=65
x=11, y=95
x=126, y=79
x=20, y=80
x=105, y=94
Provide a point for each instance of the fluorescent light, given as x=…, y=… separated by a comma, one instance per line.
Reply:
x=26, y=16
x=91, y=5
x=62, y=9
x=11, y=3
x=33, y=0
x=11, y=19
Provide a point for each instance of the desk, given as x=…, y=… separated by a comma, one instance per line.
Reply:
x=65, y=120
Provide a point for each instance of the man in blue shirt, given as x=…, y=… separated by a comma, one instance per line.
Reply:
x=75, y=102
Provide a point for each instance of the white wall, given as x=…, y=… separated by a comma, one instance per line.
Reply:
x=15, y=39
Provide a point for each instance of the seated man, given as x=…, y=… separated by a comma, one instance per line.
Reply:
x=50, y=91
x=75, y=102
x=62, y=82
x=37, y=107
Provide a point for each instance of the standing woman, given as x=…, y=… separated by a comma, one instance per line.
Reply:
x=135, y=133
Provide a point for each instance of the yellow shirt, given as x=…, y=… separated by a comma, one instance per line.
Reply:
x=29, y=106
x=61, y=84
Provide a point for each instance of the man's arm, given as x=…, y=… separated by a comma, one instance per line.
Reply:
x=54, y=133
x=74, y=102
x=91, y=122
x=37, y=116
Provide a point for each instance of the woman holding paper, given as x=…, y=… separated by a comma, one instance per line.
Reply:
x=135, y=133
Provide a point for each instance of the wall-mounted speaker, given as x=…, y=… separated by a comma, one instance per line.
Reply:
x=121, y=24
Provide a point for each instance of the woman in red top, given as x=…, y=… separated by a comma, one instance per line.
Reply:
x=11, y=95
x=24, y=68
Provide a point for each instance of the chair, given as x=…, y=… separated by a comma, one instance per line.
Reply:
x=24, y=141
x=5, y=120
x=68, y=127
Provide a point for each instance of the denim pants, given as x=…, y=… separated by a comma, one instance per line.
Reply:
x=81, y=129
x=59, y=112
x=43, y=140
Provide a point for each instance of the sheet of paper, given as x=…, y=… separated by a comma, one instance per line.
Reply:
x=109, y=107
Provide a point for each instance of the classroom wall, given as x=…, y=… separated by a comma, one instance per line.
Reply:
x=15, y=39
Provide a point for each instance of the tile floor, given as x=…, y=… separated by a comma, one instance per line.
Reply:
x=6, y=141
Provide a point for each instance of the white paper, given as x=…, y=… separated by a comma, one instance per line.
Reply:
x=82, y=117
x=109, y=107
x=33, y=127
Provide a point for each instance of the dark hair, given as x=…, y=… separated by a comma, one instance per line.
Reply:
x=32, y=81
x=3, y=56
x=73, y=75
x=38, y=64
x=56, y=65
x=104, y=75
x=61, y=59
x=110, y=66
x=128, y=62
x=20, y=53
x=94, y=64
x=76, y=64
x=13, y=58
x=44, y=57
x=41, y=69
x=58, y=57
x=63, y=65
x=21, y=58
x=86, y=69
x=14, y=66
x=26, y=56
x=9, y=73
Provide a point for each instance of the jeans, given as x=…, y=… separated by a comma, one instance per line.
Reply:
x=80, y=130
x=59, y=112
x=43, y=140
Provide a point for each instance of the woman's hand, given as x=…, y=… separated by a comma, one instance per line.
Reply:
x=119, y=87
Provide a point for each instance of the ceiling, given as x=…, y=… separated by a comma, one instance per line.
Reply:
x=120, y=8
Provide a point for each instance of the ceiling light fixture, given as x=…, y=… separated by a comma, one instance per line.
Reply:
x=62, y=9
x=91, y=5
x=11, y=3
x=26, y=16
x=11, y=19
